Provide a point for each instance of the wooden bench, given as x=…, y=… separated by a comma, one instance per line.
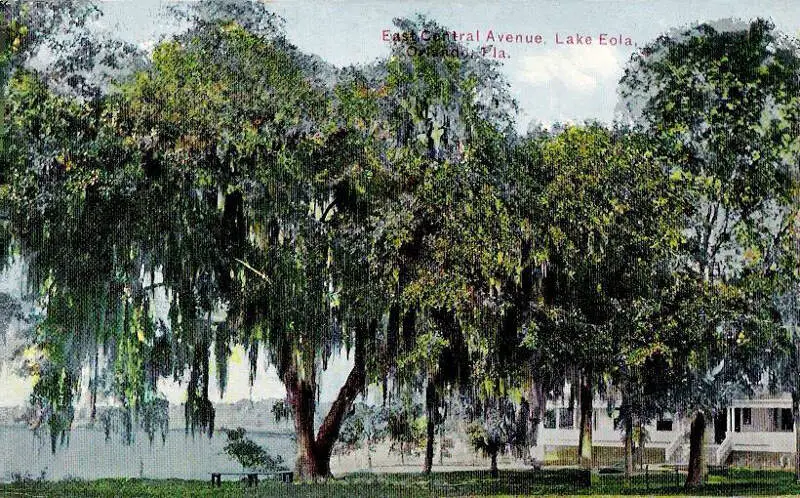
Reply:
x=252, y=477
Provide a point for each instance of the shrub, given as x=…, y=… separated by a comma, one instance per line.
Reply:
x=248, y=453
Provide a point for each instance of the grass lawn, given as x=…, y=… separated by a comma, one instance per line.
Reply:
x=510, y=483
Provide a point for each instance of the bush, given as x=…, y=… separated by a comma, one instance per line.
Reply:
x=248, y=453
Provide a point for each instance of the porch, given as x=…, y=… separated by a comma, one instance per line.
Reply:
x=761, y=425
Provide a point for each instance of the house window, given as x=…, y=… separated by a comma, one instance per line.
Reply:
x=787, y=424
x=664, y=423
x=566, y=418
x=782, y=419
x=747, y=416
x=550, y=419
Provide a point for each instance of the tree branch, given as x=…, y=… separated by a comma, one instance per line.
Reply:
x=329, y=430
x=327, y=210
x=246, y=265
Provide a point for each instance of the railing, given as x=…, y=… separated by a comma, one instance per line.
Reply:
x=723, y=450
x=779, y=442
x=669, y=452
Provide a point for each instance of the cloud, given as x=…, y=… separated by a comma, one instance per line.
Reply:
x=16, y=390
x=582, y=69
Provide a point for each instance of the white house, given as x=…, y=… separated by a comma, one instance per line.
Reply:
x=752, y=432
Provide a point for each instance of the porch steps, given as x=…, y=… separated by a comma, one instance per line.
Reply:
x=715, y=454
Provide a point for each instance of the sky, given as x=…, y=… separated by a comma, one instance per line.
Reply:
x=551, y=81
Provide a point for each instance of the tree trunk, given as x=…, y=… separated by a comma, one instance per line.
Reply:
x=697, y=457
x=314, y=453
x=493, y=472
x=442, y=432
x=796, y=416
x=441, y=444
x=93, y=383
x=796, y=391
x=310, y=463
x=796, y=411
x=369, y=456
x=537, y=407
x=628, y=439
x=640, y=448
x=585, y=438
x=430, y=408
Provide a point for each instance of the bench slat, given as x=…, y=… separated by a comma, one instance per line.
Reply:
x=252, y=477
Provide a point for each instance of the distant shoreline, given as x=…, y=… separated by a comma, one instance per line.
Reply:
x=99, y=428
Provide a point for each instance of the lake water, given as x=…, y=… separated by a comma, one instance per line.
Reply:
x=89, y=456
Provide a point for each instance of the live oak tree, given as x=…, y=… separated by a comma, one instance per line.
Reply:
x=524, y=354
x=715, y=103
x=644, y=240
x=190, y=207
x=640, y=373
x=606, y=232
x=225, y=182
x=289, y=190
x=591, y=218
x=437, y=113
x=787, y=280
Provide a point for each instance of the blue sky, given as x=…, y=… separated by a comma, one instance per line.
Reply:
x=551, y=82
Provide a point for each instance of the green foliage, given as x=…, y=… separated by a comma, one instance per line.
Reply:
x=405, y=426
x=720, y=104
x=248, y=453
x=119, y=200
x=281, y=411
x=719, y=116
x=496, y=427
x=265, y=199
x=740, y=482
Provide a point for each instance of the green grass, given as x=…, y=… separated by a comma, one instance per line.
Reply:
x=468, y=483
x=602, y=456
